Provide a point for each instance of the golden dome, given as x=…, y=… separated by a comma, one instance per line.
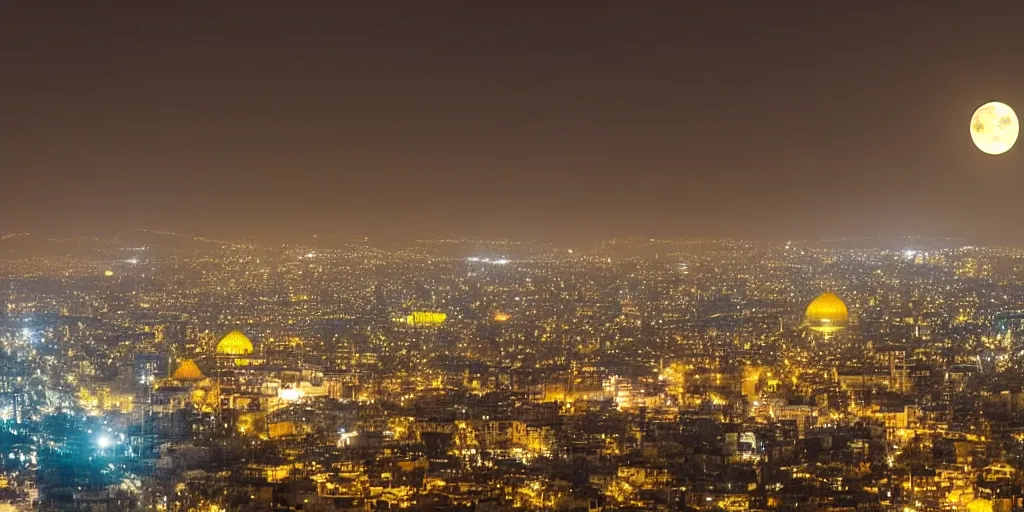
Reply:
x=234, y=343
x=188, y=371
x=826, y=313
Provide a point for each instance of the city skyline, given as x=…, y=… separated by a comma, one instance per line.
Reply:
x=674, y=375
x=453, y=256
x=531, y=121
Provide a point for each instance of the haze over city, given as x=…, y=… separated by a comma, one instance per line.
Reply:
x=511, y=256
x=533, y=120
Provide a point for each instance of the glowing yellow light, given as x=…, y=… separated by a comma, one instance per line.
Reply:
x=234, y=343
x=108, y=273
x=280, y=429
x=994, y=128
x=501, y=316
x=826, y=313
x=291, y=394
x=188, y=371
x=425, y=318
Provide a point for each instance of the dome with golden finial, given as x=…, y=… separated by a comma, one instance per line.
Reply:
x=188, y=371
x=234, y=343
x=826, y=313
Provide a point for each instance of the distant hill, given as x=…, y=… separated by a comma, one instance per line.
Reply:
x=25, y=245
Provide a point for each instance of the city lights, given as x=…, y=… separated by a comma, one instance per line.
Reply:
x=517, y=256
x=495, y=261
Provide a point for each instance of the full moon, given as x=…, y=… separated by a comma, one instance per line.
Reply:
x=994, y=128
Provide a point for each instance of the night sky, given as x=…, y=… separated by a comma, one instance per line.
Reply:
x=540, y=119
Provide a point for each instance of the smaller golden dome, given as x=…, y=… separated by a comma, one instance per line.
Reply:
x=234, y=343
x=188, y=371
x=826, y=313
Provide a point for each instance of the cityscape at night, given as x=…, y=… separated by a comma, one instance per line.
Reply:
x=638, y=374
x=449, y=255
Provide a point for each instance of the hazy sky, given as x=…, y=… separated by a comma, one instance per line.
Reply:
x=516, y=118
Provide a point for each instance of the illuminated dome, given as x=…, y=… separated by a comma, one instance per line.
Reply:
x=188, y=371
x=234, y=343
x=826, y=313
